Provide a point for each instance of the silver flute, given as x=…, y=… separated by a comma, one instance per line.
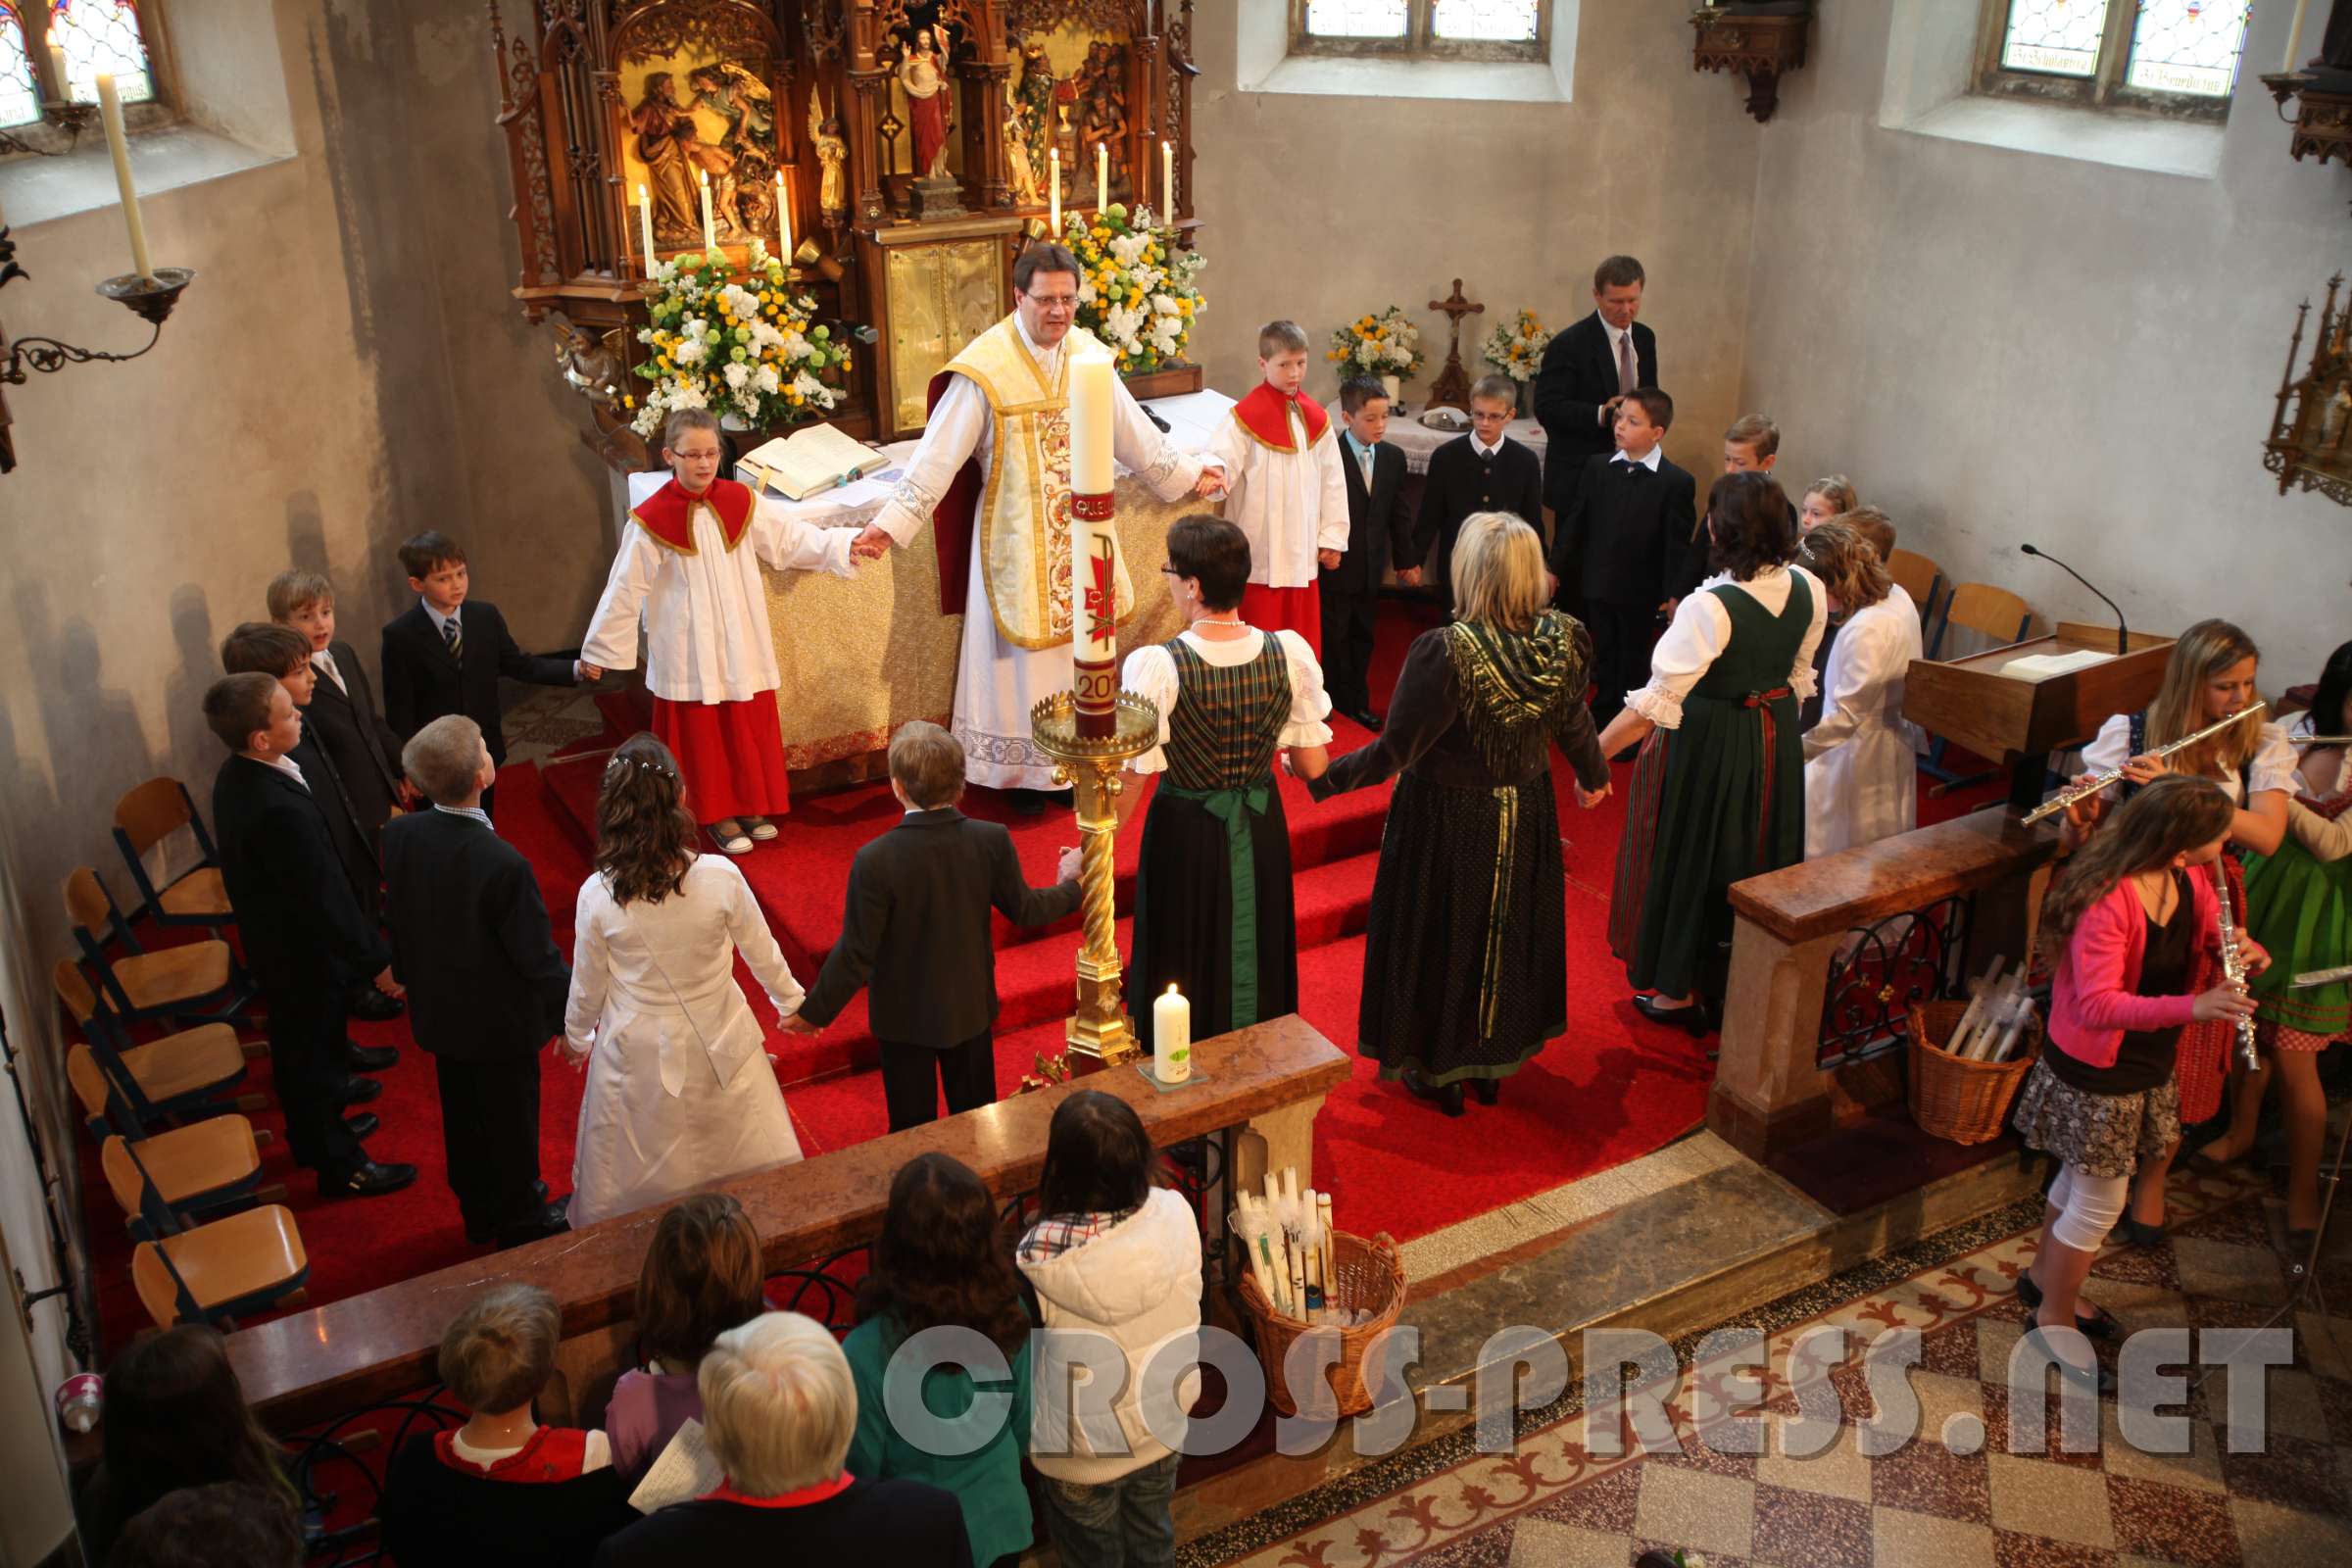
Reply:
x=2099, y=782
x=2233, y=967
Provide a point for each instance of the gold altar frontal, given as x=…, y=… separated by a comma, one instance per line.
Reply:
x=859, y=658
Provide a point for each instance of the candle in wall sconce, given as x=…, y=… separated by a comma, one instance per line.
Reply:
x=710, y=228
x=56, y=68
x=645, y=230
x=1101, y=177
x=2294, y=35
x=109, y=108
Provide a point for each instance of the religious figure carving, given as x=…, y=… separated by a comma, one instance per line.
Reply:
x=744, y=102
x=589, y=366
x=929, y=106
x=1034, y=101
x=1020, y=172
x=1106, y=125
x=664, y=129
x=832, y=156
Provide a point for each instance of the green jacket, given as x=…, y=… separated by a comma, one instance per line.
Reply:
x=987, y=1480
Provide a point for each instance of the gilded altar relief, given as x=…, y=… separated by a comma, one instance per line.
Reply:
x=698, y=107
x=1070, y=93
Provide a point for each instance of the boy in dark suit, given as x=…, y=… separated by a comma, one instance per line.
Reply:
x=1485, y=470
x=1628, y=547
x=303, y=937
x=1380, y=532
x=1587, y=372
x=445, y=653
x=260, y=647
x=486, y=986
x=917, y=928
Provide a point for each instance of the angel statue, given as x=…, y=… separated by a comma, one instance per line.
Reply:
x=588, y=363
x=1019, y=171
x=832, y=154
x=755, y=119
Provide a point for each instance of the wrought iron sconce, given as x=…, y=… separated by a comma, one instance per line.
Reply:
x=2323, y=120
x=2308, y=444
x=151, y=299
x=67, y=114
x=1761, y=39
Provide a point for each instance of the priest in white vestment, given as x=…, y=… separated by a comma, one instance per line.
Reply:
x=999, y=436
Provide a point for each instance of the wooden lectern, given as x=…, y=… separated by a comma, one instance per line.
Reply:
x=2021, y=721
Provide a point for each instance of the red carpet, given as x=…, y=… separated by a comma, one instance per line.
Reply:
x=1613, y=1088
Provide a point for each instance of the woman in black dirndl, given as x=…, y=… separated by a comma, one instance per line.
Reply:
x=1465, y=961
x=1212, y=901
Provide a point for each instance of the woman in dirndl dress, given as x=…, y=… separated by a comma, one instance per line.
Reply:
x=1719, y=787
x=2127, y=922
x=1212, y=900
x=1465, y=961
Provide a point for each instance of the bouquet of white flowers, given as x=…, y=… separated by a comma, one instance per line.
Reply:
x=1386, y=344
x=744, y=347
x=1516, y=346
x=1135, y=288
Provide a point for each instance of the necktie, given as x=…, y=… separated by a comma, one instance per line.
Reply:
x=456, y=639
x=326, y=667
x=1363, y=459
x=1626, y=374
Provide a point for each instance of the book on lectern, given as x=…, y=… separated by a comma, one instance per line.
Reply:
x=811, y=461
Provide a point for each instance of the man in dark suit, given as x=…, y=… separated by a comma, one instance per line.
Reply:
x=1587, y=372
x=486, y=987
x=1380, y=532
x=303, y=937
x=444, y=654
x=918, y=929
x=1627, y=546
x=1485, y=470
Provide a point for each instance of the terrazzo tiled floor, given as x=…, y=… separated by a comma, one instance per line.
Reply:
x=1956, y=1497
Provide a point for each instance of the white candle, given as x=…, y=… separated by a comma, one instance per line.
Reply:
x=1171, y=1037
x=110, y=107
x=1167, y=179
x=1053, y=211
x=56, y=68
x=710, y=229
x=1090, y=425
x=645, y=228
x=784, y=218
x=2295, y=34
x=1102, y=176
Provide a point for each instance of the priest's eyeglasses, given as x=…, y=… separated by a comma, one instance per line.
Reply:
x=1054, y=302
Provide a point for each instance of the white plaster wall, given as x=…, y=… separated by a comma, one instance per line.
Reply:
x=1320, y=208
x=2002, y=345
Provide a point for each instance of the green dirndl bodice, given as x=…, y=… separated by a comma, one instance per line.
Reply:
x=2300, y=910
x=1718, y=800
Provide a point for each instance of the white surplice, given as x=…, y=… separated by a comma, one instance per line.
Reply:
x=996, y=682
x=680, y=1092
x=1862, y=759
x=707, y=637
x=1288, y=505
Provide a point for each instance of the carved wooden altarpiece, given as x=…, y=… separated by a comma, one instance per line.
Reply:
x=601, y=99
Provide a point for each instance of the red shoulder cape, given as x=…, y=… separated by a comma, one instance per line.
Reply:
x=1267, y=415
x=553, y=1453
x=668, y=513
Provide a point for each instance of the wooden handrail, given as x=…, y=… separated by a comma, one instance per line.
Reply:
x=312, y=1366
x=1910, y=871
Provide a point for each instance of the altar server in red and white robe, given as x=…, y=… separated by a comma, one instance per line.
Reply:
x=1285, y=489
x=710, y=660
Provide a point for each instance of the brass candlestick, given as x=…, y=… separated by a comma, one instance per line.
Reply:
x=1099, y=1028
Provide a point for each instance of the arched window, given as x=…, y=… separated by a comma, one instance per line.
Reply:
x=1491, y=29
x=102, y=37
x=19, y=89
x=2176, y=57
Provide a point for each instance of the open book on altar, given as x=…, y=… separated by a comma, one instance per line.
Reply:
x=809, y=461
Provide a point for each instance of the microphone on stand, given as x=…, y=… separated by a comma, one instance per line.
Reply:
x=2123, y=637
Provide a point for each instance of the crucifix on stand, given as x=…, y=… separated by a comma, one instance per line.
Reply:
x=1452, y=386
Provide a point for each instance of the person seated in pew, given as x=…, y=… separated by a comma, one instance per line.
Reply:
x=501, y=1488
x=229, y=1524
x=917, y=929
x=779, y=1408
x=702, y=1277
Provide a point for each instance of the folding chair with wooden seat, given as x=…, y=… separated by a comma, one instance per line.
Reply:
x=188, y=980
x=209, y=1273
x=197, y=1169
x=1996, y=614
x=144, y=818
x=1922, y=579
x=192, y=1073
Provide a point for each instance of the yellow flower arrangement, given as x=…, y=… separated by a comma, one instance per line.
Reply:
x=1386, y=344
x=1135, y=288
x=749, y=348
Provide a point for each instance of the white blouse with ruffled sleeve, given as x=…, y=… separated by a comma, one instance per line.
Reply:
x=1702, y=630
x=1152, y=673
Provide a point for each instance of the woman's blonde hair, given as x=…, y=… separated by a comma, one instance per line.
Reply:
x=1498, y=571
x=1846, y=562
x=779, y=1403
x=1837, y=489
x=2169, y=816
x=2203, y=652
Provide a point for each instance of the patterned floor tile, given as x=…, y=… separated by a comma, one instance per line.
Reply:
x=1923, y=1478
x=2013, y=1550
x=2229, y=1271
x=2198, y=1470
x=2292, y=1474
x=2294, y=1405
x=1901, y=1537
x=1695, y=1509
x=1540, y=1543
x=2033, y=1498
x=1803, y=1527
x=1605, y=1505
x=1836, y=1471
x=2172, y=1524
x=2269, y=1534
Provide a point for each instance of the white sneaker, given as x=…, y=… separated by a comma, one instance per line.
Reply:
x=759, y=827
x=729, y=836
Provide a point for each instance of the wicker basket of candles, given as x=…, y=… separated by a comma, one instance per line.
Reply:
x=1968, y=1060
x=1306, y=1277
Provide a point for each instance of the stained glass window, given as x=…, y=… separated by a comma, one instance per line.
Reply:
x=1356, y=19
x=19, y=94
x=1490, y=20
x=2058, y=37
x=100, y=36
x=2189, y=45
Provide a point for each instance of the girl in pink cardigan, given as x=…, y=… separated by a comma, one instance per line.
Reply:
x=2133, y=912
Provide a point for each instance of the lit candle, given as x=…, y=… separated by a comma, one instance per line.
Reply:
x=110, y=107
x=784, y=218
x=645, y=228
x=1053, y=219
x=56, y=68
x=1168, y=178
x=2294, y=35
x=1171, y=1037
x=710, y=228
x=1102, y=176
x=1091, y=380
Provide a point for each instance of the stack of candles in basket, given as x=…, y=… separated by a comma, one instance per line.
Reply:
x=1998, y=1010
x=1288, y=1236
